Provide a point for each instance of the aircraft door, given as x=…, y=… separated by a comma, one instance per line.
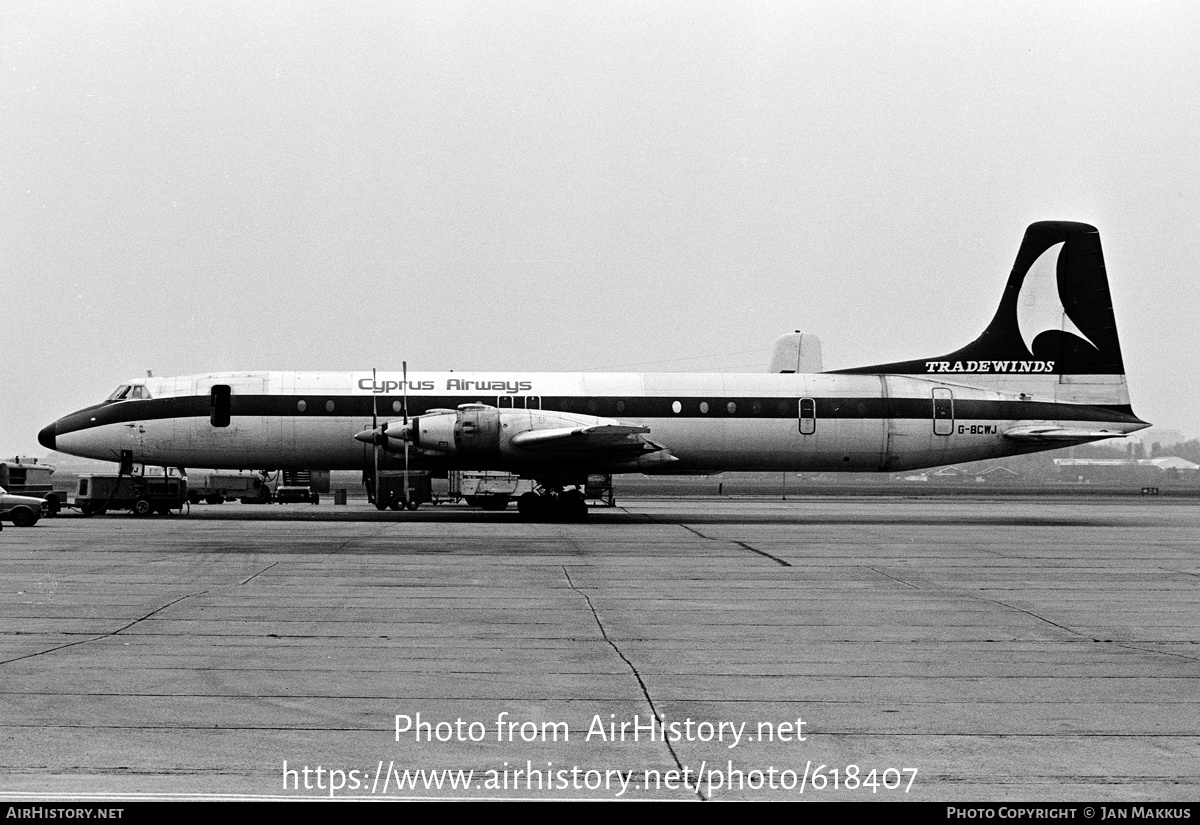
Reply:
x=808, y=416
x=222, y=426
x=943, y=411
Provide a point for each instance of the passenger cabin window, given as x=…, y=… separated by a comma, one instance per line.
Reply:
x=218, y=405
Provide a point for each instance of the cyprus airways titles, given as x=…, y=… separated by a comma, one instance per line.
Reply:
x=451, y=385
x=1046, y=372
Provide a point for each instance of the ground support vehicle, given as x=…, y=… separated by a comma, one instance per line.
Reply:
x=599, y=488
x=390, y=490
x=292, y=495
x=26, y=477
x=491, y=490
x=217, y=488
x=98, y=493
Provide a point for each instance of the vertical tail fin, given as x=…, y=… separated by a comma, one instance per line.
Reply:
x=1054, y=333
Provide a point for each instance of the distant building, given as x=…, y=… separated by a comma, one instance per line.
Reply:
x=1126, y=469
x=1164, y=463
x=956, y=475
x=1170, y=462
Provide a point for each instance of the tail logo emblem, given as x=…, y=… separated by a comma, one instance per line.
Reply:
x=1039, y=306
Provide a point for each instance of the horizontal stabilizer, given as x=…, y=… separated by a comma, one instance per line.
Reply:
x=1047, y=433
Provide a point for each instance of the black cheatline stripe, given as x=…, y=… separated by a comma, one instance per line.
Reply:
x=746, y=408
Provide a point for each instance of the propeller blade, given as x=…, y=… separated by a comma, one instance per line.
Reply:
x=375, y=432
x=404, y=367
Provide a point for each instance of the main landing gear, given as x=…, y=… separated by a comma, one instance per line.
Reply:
x=553, y=504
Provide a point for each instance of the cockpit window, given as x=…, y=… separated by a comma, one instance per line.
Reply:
x=128, y=392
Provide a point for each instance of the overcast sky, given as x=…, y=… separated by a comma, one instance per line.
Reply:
x=643, y=186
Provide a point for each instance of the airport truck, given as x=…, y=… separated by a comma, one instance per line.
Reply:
x=26, y=477
x=390, y=491
x=491, y=490
x=97, y=493
x=301, y=486
x=217, y=488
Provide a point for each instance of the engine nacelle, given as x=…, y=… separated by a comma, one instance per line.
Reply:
x=472, y=429
x=482, y=432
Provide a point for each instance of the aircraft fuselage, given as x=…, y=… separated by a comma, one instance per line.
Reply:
x=708, y=423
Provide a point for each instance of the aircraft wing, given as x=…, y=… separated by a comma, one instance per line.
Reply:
x=598, y=438
x=1048, y=433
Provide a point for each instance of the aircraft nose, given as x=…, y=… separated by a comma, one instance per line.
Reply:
x=47, y=435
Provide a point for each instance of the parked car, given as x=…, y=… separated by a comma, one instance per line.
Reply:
x=22, y=511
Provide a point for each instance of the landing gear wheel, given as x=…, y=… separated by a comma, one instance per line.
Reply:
x=142, y=507
x=534, y=506
x=572, y=506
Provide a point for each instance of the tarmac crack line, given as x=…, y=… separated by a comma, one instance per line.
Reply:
x=259, y=573
x=1184, y=572
x=1033, y=615
x=893, y=578
x=741, y=544
x=1129, y=646
x=1125, y=645
x=763, y=553
x=102, y=635
x=633, y=669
